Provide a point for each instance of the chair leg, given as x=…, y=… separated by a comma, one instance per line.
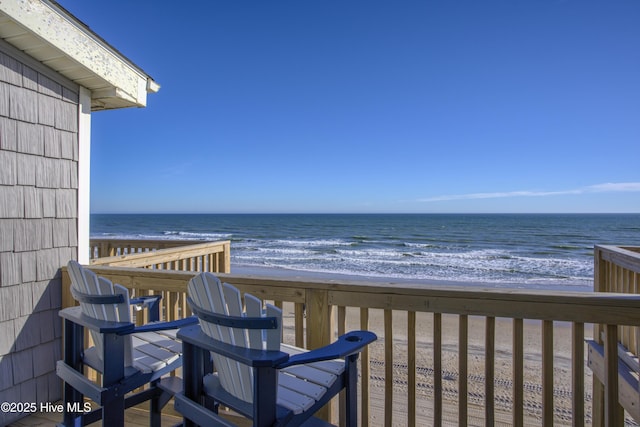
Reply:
x=351, y=373
x=113, y=410
x=264, y=404
x=155, y=410
x=73, y=345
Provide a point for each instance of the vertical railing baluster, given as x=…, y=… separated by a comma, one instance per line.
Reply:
x=411, y=368
x=577, y=373
x=463, y=346
x=518, y=372
x=365, y=369
x=437, y=369
x=388, y=367
x=489, y=371
x=547, y=373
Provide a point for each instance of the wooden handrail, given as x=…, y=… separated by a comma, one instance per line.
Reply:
x=318, y=303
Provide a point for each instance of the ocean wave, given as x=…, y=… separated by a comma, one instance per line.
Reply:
x=197, y=235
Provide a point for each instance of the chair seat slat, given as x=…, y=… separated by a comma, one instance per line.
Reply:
x=299, y=385
x=160, y=340
x=294, y=401
x=312, y=374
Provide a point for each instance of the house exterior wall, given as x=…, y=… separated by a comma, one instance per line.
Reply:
x=38, y=223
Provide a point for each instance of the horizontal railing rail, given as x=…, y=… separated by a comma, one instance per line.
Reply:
x=205, y=256
x=107, y=247
x=417, y=372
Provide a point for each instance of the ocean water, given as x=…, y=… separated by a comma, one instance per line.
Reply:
x=537, y=251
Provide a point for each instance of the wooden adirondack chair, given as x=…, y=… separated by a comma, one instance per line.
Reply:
x=126, y=356
x=256, y=375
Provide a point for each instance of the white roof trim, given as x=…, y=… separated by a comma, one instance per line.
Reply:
x=50, y=34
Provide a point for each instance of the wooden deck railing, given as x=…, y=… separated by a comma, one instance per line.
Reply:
x=170, y=255
x=406, y=378
x=104, y=247
x=617, y=269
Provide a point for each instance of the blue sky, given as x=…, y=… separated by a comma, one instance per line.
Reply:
x=372, y=106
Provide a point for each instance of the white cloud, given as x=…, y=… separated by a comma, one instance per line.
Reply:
x=597, y=188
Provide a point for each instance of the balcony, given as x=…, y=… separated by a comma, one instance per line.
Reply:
x=445, y=355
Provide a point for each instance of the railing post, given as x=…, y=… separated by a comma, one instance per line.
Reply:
x=613, y=412
x=226, y=262
x=67, y=298
x=599, y=285
x=320, y=327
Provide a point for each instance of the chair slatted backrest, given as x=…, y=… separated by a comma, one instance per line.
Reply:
x=86, y=282
x=208, y=293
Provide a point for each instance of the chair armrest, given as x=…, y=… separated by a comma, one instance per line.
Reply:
x=75, y=315
x=193, y=335
x=163, y=326
x=152, y=302
x=345, y=345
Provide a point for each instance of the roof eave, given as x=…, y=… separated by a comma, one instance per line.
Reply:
x=47, y=32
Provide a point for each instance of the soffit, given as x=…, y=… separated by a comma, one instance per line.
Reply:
x=52, y=36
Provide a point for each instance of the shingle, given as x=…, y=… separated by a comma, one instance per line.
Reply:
x=48, y=202
x=30, y=139
x=28, y=266
x=73, y=235
x=49, y=87
x=32, y=202
x=25, y=300
x=47, y=264
x=46, y=233
x=11, y=204
x=6, y=235
x=26, y=235
x=61, y=233
x=10, y=70
x=22, y=365
x=70, y=95
x=10, y=269
x=64, y=166
x=28, y=166
x=27, y=332
x=6, y=371
x=48, y=173
x=8, y=134
x=68, y=142
x=46, y=320
x=66, y=116
x=23, y=104
x=66, y=203
x=46, y=110
x=4, y=99
x=42, y=295
x=29, y=78
x=7, y=339
x=51, y=142
x=8, y=172
x=54, y=288
x=9, y=307
x=73, y=171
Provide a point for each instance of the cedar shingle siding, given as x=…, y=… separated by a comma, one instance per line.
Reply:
x=38, y=223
